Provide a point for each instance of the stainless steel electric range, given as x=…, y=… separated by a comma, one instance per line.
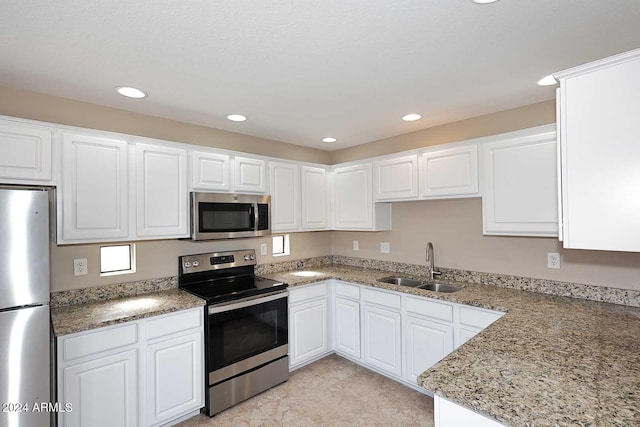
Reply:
x=246, y=325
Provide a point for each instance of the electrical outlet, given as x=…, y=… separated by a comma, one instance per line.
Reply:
x=356, y=245
x=263, y=249
x=553, y=260
x=80, y=267
x=384, y=248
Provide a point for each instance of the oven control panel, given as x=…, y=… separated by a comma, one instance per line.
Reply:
x=216, y=260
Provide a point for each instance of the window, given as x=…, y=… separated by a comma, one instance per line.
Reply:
x=280, y=245
x=119, y=259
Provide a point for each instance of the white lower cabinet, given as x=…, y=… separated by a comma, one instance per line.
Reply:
x=382, y=331
x=347, y=327
x=149, y=372
x=174, y=378
x=426, y=344
x=308, y=324
x=396, y=334
x=102, y=390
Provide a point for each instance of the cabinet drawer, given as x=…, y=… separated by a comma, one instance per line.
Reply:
x=307, y=292
x=381, y=298
x=348, y=291
x=99, y=340
x=437, y=310
x=172, y=323
x=477, y=317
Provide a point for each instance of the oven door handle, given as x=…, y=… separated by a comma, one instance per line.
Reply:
x=246, y=302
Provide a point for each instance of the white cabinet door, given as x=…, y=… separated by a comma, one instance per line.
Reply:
x=308, y=337
x=103, y=392
x=210, y=172
x=26, y=152
x=347, y=327
x=520, y=184
x=174, y=378
x=397, y=178
x=426, y=344
x=599, y=128
x=285, y=196
x=94, y=194
x=250, y=175
x=313, y=196
x=382, y=339
x=353, y=202
x=449, y=172
x=162, y=208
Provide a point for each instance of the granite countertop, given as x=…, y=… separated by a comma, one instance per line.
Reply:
x=549, y=361
x=76, y=318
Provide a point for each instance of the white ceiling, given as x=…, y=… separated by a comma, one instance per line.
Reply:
x=305, y=69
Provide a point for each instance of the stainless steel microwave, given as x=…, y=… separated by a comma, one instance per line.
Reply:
x=229, y=216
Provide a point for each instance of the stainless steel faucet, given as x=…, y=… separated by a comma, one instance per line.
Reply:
x=431, y=261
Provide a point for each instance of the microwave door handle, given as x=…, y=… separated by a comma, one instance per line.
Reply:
x=255, y=213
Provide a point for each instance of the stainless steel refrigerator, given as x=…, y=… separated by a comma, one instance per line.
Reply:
x=25, y=356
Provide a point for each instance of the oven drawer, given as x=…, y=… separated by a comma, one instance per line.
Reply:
x=172, y=323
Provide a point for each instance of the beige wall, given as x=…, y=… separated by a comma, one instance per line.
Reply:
x=36, y=106
x=455, y=228
x=491, y=124
x=159, y=258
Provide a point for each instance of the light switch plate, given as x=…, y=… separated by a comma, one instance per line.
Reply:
x=356, y=245
x=385, y=248
x=263, y=249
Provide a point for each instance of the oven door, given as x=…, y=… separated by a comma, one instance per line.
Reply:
x=245, y=334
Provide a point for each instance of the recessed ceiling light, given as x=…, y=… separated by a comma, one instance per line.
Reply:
x=131, y=92
x=237, y=117
x=411, y=117
x=484, y=1
x=547, y=81
x=329, y=139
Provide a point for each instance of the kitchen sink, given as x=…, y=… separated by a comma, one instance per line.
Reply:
x=402, y=281
x=413, y=283
x=440, y=287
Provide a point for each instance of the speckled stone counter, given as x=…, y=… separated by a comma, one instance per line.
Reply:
x=550, y=361
x=76, y=318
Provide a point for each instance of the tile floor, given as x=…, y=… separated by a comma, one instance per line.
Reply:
x=330, y=392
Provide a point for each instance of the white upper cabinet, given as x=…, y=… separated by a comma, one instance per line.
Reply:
x=161, y=181
x=285, y=196
x=210, y=171
x=314, y=195
x=599, y=127
x=26, y=152
x=452, y=172
x=93, y=197
x=519, y=183
x=353, y=204
x=250, y=175
x=396, y=178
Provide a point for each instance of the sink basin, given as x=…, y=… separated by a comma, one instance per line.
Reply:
x=402, y=281
x=439, y=287
x=413, y=283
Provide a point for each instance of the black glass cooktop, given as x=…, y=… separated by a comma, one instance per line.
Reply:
x=231, y=288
